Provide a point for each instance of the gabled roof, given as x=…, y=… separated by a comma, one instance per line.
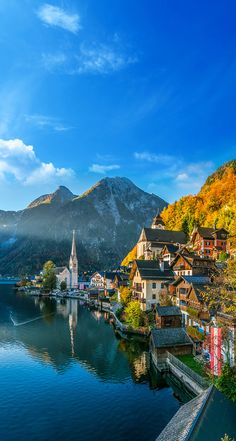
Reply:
x=193, y=280
x=169, y=337
x=58, y=270
x=205, y=232
x=150, y=270
x=166, y=311
x=192, y=258
x=164, y=236
x=199, y=280
x=172, y=249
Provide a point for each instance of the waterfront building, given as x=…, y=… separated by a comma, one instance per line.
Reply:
x=174, y=340
x=69, y=276
x=150, y=279
x=63, y=275
x=103, y=280
x=73, y=265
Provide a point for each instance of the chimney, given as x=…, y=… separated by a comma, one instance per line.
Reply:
x=162, y=265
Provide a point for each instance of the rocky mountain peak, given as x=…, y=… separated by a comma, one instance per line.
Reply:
x=60, y=196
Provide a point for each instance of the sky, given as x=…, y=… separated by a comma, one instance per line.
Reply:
x=140, y=89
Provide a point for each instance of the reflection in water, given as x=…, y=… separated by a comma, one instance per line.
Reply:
x=64, y=370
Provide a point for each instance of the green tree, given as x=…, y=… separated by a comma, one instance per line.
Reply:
x=49, y=276
x=63, y=285
x=125, y=295
x=133, y=314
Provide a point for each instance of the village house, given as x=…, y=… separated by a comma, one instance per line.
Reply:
x=121, y=279
x=186, y=293
x=168, y=317
x=168, y=253
x=103, y=280
x=209, y=241
x=150, y=278
x=63, y=275
x=190, y=264
x=153, y=240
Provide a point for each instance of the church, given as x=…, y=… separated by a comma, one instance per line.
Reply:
x=70, y=276
x=153, y=240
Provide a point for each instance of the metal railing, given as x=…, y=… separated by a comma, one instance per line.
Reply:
x=187, y=371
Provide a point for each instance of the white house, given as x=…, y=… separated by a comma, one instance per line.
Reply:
x=63, y=275
x=153, y=240
x=102, y=280
x=150, y=278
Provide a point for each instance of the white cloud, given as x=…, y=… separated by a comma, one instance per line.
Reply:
x=102, y=169
x=47, y=172
x=19, y=161
x=89, y=59
x=152, y=157
x=101, y=59
x=58, y=17
x=43, y=121
x=182, y=177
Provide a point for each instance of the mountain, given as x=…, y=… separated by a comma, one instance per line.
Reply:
x=214, y=205
x=107, y=218
x=60, y=196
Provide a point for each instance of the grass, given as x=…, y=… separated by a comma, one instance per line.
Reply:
x=189, y=360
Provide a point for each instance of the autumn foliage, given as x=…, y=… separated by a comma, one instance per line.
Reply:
x=215, y=204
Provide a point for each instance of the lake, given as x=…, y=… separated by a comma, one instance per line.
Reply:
x=64, y=375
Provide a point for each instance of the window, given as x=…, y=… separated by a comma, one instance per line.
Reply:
x=162, y=285
x=143, y=284
x=154, y=285
x=154, y=297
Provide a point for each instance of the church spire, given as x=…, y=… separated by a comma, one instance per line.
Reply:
x=73, y=248
x=158, y=222
x=73, y=264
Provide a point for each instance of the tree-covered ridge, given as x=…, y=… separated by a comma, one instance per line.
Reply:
x=214, y=205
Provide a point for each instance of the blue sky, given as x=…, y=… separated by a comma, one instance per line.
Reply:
x=92, y=88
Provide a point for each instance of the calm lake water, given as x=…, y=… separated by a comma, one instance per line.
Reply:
x=65, y=376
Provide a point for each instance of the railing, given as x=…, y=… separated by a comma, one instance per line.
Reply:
x=187, y=371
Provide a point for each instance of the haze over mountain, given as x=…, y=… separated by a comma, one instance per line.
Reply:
x=107, y=219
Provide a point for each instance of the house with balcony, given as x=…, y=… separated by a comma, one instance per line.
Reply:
x=191, y=264
x=150, y=278
x=186, y=292
x=209, y=241
x=102, y=280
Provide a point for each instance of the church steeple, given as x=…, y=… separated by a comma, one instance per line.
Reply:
x=157, y=222
x=73, y=264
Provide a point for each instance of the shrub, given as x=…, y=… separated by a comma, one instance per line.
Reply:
x=133, y=314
